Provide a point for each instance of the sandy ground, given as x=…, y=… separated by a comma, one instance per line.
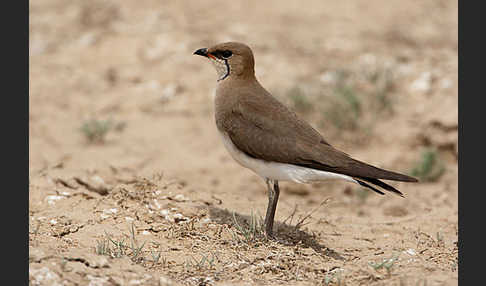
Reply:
x=158, y=201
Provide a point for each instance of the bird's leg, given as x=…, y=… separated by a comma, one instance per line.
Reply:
x=272, y=205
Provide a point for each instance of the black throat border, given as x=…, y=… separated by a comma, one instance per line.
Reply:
x=227, y=70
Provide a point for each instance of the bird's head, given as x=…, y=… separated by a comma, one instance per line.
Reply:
x=231, y=60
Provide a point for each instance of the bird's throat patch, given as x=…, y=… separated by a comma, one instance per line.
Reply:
x=222, y=67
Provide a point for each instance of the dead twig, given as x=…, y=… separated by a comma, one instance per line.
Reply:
x=301, y=221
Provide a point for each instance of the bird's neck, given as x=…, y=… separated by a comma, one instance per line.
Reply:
x=238, y=81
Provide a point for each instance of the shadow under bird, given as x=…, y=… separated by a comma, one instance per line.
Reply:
x=265, y=136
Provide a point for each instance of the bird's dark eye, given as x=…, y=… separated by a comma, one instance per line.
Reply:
x=226, y=54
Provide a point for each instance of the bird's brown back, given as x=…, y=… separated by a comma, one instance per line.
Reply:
x=262, y=127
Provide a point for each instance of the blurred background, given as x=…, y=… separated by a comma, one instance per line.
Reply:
x=114, y=84
x=378, y=77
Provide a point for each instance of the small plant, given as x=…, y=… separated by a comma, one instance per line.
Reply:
x=350, y=97
x=103, y=247
x=299, y=100
x=344, y=108
x=440, y=238
x=204, y=262
x=155, y=256
x=95, y=130
x=136, y=250
x=430, y=167
x=251, y=232
x=333, y=276
x=383, y=85
x=120, y=248
x=386, y=263
x=345, y=100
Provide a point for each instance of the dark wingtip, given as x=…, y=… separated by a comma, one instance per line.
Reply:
x=383, y=185
x=370, y=187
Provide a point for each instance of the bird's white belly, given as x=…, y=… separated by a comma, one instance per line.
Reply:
x=279, y=171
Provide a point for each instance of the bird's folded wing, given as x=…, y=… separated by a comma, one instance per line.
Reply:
x=281, y=136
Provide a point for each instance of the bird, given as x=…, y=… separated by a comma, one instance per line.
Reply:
x=265, y=136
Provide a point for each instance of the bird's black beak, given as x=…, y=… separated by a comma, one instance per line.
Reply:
x=202, y=52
